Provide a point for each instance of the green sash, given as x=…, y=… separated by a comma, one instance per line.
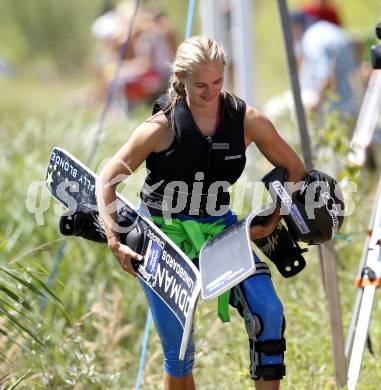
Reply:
x=190, y=236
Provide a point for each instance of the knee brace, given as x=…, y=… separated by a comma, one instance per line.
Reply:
x=266, y=355
x=252, y=322
x=258, y=349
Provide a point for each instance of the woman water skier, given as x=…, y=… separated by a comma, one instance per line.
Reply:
x=199, y=133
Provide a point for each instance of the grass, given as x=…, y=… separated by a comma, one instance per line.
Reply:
x=99, y=345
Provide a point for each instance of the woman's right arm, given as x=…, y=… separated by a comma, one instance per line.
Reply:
x=150, y=136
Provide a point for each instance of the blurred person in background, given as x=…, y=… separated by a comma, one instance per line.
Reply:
x=145, y=67
x=322, y=10
x=327, y=65
x=329, y=71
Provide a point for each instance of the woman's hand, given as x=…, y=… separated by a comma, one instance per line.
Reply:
x=260, y=231
x=265, y=229
x=124, y=254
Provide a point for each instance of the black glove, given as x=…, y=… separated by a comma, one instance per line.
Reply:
x=282, y=250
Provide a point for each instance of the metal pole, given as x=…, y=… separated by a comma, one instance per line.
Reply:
x=300, y=115
x=326, y=251
x=369, y=271
x=333, y=297
x=367, y=120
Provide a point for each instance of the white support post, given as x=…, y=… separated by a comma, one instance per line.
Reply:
x=215, y=20
x=229, y=22
x=212, y=21
x=367, y=120
x=243, y=49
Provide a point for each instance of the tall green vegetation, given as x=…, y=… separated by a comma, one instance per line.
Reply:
x=57, y=31
x=90, y=333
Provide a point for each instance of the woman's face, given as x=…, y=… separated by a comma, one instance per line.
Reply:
x=203, y=86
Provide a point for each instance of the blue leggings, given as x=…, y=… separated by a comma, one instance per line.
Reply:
x=262, y=300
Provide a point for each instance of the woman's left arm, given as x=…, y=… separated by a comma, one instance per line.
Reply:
x=260, y=130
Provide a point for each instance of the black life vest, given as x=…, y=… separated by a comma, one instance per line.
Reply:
x=192, y=176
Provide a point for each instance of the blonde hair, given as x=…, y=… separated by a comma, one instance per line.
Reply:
x=193, y=52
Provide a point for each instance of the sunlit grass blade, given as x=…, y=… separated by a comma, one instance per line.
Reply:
x=14, y=385
x=31, y=286
x=16, y=297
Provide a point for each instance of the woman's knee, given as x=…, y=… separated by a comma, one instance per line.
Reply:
x=264, y=302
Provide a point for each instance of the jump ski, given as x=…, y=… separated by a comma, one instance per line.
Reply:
x=220, y=273
x=368, y=279
x=165, y=269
